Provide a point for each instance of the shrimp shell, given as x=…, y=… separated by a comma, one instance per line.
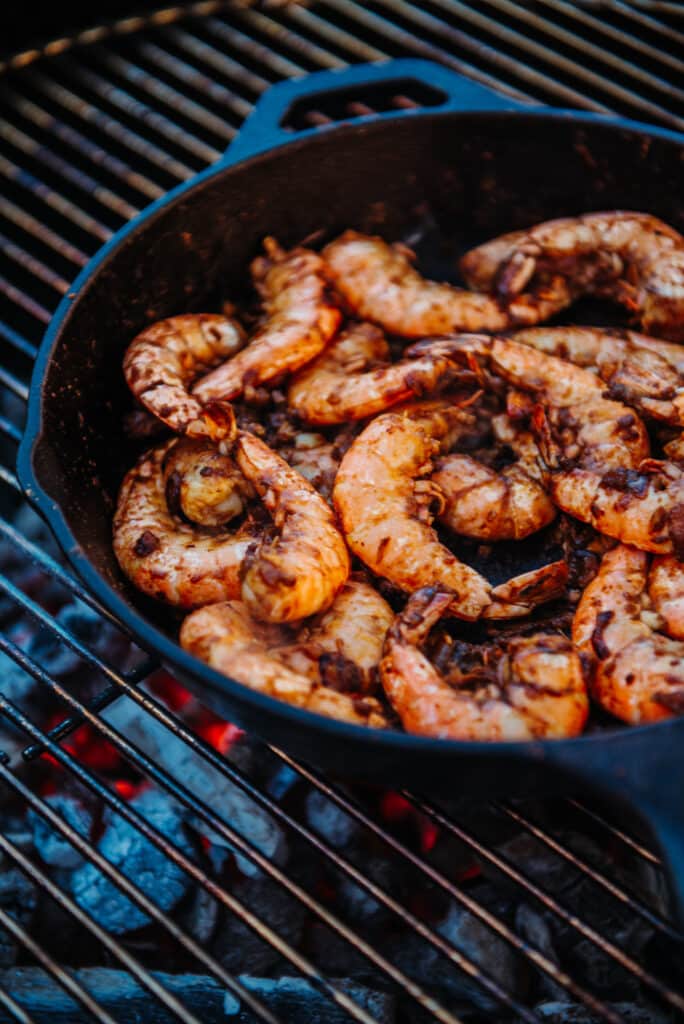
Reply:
x=378, y=283
x=666, y=591
x=227, y=638
x=343, y=383
x=646, y=373
x=161, y=363
x=298, y=572
x=536, y=690
x=632, y=258
x=300, y=322
x=638, y=674
x=167, y=559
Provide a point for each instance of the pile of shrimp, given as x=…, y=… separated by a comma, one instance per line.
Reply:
x=338, y=461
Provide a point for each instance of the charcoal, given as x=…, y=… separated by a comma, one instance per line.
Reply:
x=292, y=1000
x=238, y=947
x=206, y=782
x=123, y=845
x=572, y=1013
x=282, y=781
x=542, y=865
x=15, y=684
x=476, y=941
x=18, y=897
x=201, y=916
x=326, y=818
x=51, y=845
x=358, y=904
x=536, y=928
x=87, y=626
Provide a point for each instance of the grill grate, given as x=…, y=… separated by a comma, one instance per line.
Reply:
x=94, y=128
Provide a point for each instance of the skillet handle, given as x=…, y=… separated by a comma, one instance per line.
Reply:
x=643, y=769
x=440, y=89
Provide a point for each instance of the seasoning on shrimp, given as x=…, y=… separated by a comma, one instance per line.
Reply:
x=524, y=688
x=174, y=561
x=202, y=483
x=378, y=283
x=646, y=373
x=230, y=640
x=300, y=321
x=632, y=258
x=352, y=378
x=383, y=502
x=637, y=671
x=162, y=362
x=298, y=571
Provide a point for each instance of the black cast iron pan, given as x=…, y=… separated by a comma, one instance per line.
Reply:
x=482, y=165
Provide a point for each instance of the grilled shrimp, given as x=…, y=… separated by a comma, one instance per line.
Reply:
x=632, y=258
x=378, y=283
x=342, y=646
x=532, y=687
x=300, y=320
x=596, y=450
x=638, y=673
x=384, y=507
x=168, y=559
x=203, y=484
x=352, y=379
x=506, y=505
x=227, y=638
x=297, y=572
x=161, y=363
x=666, y=590
x=646, y=373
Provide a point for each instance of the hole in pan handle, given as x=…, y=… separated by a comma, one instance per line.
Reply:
x=642, y=769
x=278, y=117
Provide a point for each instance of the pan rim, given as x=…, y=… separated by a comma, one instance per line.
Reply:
x=167, y=649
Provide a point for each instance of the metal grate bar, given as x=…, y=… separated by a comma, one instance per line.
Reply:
x=61, y=976
x=16, y=341
x=277, y=64
x=17, y=296
x=135, y=756
x=208, y=56
x=625, y=897
x=128, y=962
x=38, y=117
x=32, y=226
x=644, y=19
x=638, y=848
x=580, y=71
x=503, y=865
x=33, y=265
x=18, y=1012
x=109, y=125
x=169, y=96
x=311, y=22
x=615, y=34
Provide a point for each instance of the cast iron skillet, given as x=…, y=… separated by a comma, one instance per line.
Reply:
x=484, y=165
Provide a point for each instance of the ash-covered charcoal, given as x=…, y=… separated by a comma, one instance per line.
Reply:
x=291, y=1000
x=214, y=789
x=329, y=820
x=238, y=947
x=52, y=847
x=145, y=865
x=18, y=897
x=359, y=905
x=86, y=625
x=536, y=927
x=16, y=685
x=572, y=1013
x=201, y=916
x=475, y=940
x=542, y=865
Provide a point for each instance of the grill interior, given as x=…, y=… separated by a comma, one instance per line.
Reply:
x=93, y=128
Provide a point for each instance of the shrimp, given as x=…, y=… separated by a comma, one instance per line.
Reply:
x=202, y=484
x=227, y=638
x=352, y=379
x=481, y=502
x=383, y=505
x=378, y=283
x=633, y=258
x=342, y=646
x=300, y=322
x=298, y=572
x=174, y=561
x=315, y=458
x=533, y=687
x=637, y=672
x=666, y=591
x=161, y=363
x=646, y=373
x=596, y=450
